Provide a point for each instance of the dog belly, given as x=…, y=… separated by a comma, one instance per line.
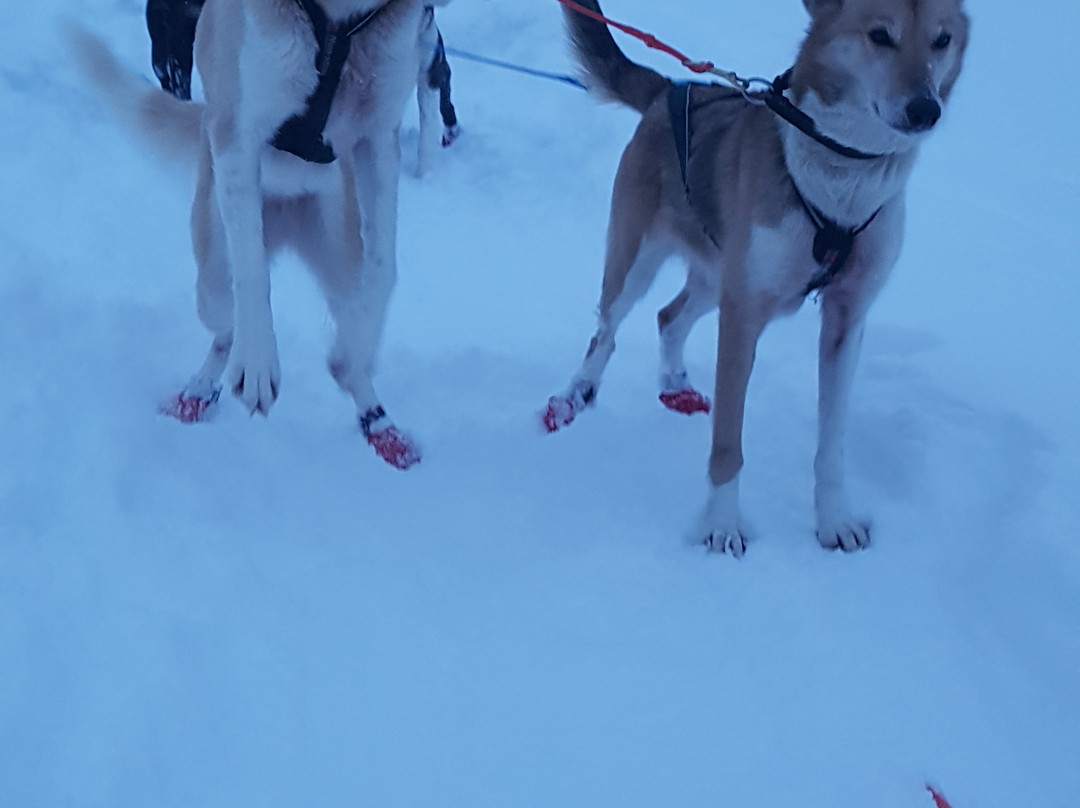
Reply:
x=286, y=175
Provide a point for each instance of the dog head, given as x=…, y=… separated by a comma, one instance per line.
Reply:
x=876, y=73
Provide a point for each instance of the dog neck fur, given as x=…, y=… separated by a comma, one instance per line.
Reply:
x=340, y=10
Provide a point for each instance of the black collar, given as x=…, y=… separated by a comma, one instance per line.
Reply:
x=302, y=134
x=775, y=100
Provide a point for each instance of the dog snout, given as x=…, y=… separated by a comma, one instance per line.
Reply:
x=922, y=113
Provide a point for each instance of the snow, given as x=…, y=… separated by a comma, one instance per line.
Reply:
x=260, y=612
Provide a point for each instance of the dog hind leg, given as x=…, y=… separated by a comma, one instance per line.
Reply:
x=214, y=296
x=630, y=265
x=354, y=258
x=675, y=321
x=433, y=96
x=427, y=99
x=629, y=271
x=365, y=304
x=439, y=77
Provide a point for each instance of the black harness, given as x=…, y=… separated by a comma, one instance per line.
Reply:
x=302, y=134
x=833, y=243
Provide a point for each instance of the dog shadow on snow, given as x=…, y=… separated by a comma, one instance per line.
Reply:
x=914, y=444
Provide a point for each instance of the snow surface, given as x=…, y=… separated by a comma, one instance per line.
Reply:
x=261, y=613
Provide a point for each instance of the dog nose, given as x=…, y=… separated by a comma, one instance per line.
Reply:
x=923, y=113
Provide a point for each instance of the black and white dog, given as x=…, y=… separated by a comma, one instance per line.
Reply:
x=295, y=145
x=171, y=24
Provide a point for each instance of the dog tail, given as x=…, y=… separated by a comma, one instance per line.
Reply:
x=607, y=70
x=172, y=126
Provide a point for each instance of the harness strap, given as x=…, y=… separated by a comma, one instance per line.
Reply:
x=302, y=134
x=680, y=111
x=833, y=244
x=775, y=100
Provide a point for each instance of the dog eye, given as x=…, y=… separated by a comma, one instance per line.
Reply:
x=882, y=38
x=943, y=40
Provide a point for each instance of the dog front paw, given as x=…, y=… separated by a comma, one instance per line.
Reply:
x=847, y=535
x=255, y=375
x=732, y=542
x=721, y=525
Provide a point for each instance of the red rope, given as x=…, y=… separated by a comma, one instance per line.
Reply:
x=939, y=798
x=649, y=40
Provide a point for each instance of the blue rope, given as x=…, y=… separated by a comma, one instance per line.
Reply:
x=460, y=54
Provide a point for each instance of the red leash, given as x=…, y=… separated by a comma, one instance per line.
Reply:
x=649, y=40
x=939, y=798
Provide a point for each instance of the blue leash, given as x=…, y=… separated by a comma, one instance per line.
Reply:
x=543, y=74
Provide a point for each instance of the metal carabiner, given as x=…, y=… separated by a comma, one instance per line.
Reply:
x=753, y=96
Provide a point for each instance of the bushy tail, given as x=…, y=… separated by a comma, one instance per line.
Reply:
x=607, y=69
x=170, y=125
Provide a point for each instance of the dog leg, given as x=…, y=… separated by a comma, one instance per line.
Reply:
x=630, y=266
x=741, y=323
x=254, y=373
x=614, y=306
x=841, y=338
x=364, y=305
x=675, y=321
x=427, y=99
x=327, y=234
x=215, y=302
x=360, y=308
x=451, y=128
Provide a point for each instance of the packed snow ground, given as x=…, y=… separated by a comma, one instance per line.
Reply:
x=261, y=613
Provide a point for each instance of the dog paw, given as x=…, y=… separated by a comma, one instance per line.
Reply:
x=425, y=159
x=255, y=376
x=687, y=401
x=390, y=443
x=450, y=134
x=732, y=542
x=848, y=536
x=395, y=447
x=562, y=410
x=189, y=407
x=720, y=524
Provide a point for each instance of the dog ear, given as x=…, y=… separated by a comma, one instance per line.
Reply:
x=819, y=7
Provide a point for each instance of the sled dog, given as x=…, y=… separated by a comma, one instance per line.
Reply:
x=767, y=208
x=171, y=25
x=269, y=177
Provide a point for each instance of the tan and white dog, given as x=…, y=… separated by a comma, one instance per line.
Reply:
x=256, y=59
x=764, y=213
